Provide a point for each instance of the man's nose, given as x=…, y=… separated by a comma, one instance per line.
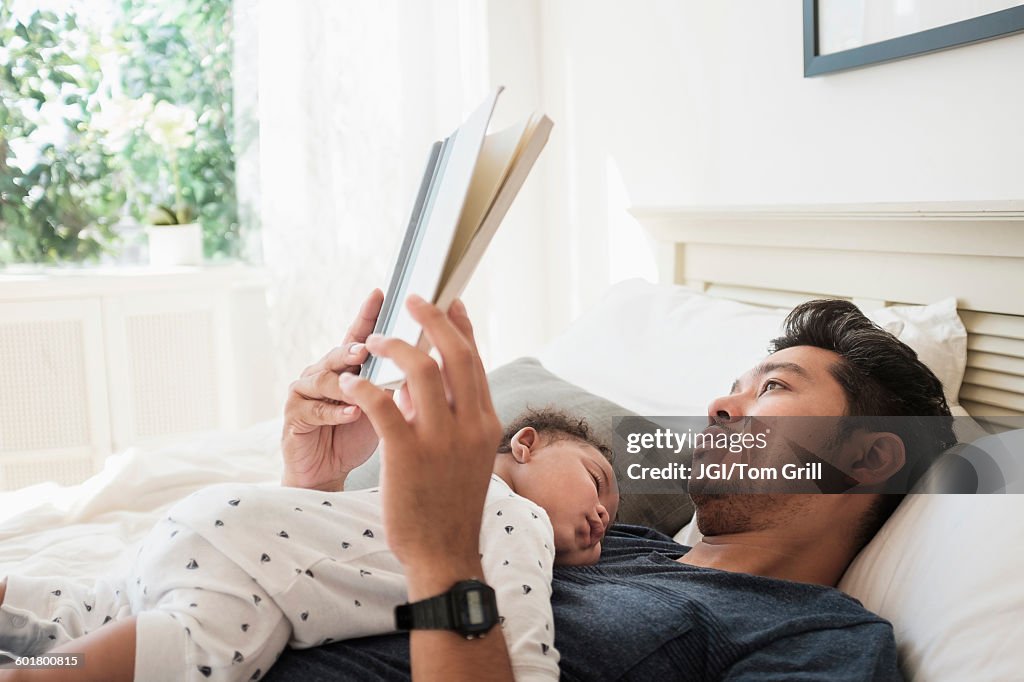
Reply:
x=725, y=409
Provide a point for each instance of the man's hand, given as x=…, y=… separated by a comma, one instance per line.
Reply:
x=324, y=437
x=438, y=455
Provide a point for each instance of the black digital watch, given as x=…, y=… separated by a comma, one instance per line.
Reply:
x=469, y=608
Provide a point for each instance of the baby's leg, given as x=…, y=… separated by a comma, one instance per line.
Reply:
x=40, y=613
x=106, y=655
x=201, y=617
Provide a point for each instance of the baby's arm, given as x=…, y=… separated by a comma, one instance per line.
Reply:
x=516, y=541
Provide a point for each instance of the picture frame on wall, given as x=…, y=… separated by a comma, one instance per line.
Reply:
x=847, y=34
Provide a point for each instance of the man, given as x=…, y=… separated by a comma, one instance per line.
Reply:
x=754, y=600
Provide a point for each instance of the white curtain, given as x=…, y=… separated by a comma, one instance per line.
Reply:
x=351, y=94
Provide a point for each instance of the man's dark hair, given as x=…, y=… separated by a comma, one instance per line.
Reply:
x=881, y=377
x=554, y=425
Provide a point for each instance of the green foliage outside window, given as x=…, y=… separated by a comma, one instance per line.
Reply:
x=61, y=206
x=180, y=52
x=65, y=205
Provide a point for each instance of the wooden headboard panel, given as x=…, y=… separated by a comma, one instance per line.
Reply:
x=874, y=255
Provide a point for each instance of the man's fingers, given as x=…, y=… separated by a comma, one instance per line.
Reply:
x=378, y=405
x=457, y=314
x=422, y=376
x=460, y=318
x=405, y=403
x=352, y=353
x=319, y=386
x=367, y=317
x=458, y=356
x=345, y=358
x=316, y=413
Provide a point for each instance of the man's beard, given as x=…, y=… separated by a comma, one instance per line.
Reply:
x=726, y=513
x=721, y=510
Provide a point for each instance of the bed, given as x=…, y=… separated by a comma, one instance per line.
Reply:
x=944, y=569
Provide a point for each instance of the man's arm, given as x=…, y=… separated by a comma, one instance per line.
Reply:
x=437, y=459
x=446, y=655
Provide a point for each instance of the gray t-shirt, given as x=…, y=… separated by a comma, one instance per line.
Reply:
x=640, y=615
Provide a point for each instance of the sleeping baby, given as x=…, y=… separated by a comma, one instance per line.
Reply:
x=234, y=573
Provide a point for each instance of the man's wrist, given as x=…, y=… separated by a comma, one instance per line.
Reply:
x=429, y=578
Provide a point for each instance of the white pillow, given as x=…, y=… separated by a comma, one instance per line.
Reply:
x=937, y=335
x=667, y=350
x=661, y=350
x=945, y=570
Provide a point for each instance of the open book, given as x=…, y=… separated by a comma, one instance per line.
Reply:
x=470, y=181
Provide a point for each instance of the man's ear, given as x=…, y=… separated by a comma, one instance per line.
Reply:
x=880, y=456
x=523, y=444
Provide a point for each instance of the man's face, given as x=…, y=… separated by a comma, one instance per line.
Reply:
x=795, y=382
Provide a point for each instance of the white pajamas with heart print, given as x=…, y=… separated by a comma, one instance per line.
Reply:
x=235, y=572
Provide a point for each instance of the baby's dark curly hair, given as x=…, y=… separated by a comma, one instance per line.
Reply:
x=555, y=425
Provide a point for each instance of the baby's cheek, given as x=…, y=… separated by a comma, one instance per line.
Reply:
x=565, y=535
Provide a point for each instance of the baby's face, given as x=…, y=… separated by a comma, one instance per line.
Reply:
x=576, y=486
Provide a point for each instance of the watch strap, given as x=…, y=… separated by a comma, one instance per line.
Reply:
x=429, y=614
x=468, y=608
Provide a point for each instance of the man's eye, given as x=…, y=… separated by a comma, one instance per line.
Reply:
x=597, y=481
x=769, y=383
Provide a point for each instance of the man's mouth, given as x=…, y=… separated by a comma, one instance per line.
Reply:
x=714, y=431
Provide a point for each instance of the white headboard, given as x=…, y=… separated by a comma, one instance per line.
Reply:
x=872, y=254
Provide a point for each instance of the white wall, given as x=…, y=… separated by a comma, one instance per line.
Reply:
x=351, y=96
x=654, y=102
x=507, y=293
x=704, y=102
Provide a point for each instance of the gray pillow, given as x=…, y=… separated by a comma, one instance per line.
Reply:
x=524, y=384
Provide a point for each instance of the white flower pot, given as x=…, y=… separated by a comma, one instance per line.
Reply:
x=175, y=244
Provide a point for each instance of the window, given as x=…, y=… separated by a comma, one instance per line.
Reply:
x=115, y=114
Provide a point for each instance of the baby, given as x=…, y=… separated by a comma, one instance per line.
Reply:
x=234, y=573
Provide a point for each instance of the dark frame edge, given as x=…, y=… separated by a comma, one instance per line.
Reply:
x=978, y=29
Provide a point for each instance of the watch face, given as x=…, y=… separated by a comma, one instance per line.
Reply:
x=475, y=608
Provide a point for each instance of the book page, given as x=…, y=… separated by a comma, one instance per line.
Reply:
x=496, y=159
x=427, y=264
x=532, y=144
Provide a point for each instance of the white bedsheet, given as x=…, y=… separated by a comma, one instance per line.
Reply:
x=87, y=530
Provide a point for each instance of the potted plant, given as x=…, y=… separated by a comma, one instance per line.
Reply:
x=174, y=239
x=174, y=236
